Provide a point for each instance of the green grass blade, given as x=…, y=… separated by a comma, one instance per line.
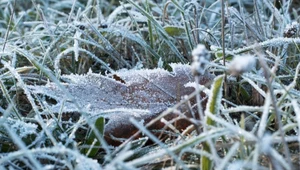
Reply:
x=213, y=105
x=93, y=150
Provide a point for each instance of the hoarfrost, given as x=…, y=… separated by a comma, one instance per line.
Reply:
x=160, y=63
x=76, y=44
x=145, y=89
x=141, y=94
x=84, y=163
x=21, y=128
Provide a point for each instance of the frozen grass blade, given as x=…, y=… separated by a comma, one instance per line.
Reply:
x=178, y=148
x=185, y=23
x=9, y=100
x=156, y=140
x=213, y=106
x=91, y=137
x=160, y=29
x=42, y=40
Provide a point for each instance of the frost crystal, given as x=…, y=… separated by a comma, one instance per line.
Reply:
x=140, y=94
x=21, y=128
x=241, y=64
x=200, y=59
x=84, y=163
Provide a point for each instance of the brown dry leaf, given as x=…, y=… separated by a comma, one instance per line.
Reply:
x=141, y=94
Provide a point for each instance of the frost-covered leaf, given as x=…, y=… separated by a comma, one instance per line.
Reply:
x=142, y=94
x=214, y=101
x=213, y=106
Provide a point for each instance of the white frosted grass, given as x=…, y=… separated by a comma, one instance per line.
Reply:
x=234, y=129
x=76, y=44
x=119, y=160
x=279, y=159
x=275, y=42
x=200, y=60
x=157, y=141
x=231, y=153
x=255, y=86
x=108, y=47
x=163, y=34
x=21, y=84
x=19, y=127
x=9, y=100
x=256, y=154
x=160, y=63
x=264, y=117
x=275, y=12
x=275, y=85
x=242, y=108
x=114, y=14
x=22, y=147
x=285, y=128
x=244, y=164
x=198, y=100
x=71, y=49
x=202, y=153
x=294, y=82
x=71, y=11
x=297, y=112
x=84, y=161
x=30, y=99
x=266, y=144
x=47, y=72
x=214, y=133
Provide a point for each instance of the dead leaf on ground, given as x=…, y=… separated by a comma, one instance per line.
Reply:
x=141, y=94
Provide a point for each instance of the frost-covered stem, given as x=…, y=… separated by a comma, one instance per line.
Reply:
x=223, y=30
x=6, y=94
x=264, y=117
x=150, y=26
x=49, y=74
x=156, y=140
x=30, y=99
x=18, y=141
x=223, y=46
x=297, y=111
x=277, y=113
x=199, y=106
x=7, y=31
x=53, y=150
x=71, y=49
x=275, y=42
x=71, y=11
x=215, y=133
x=260, y=22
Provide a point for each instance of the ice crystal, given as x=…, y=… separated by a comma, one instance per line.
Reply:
x=21, y=128
x=140, y=94
x=84, y=163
